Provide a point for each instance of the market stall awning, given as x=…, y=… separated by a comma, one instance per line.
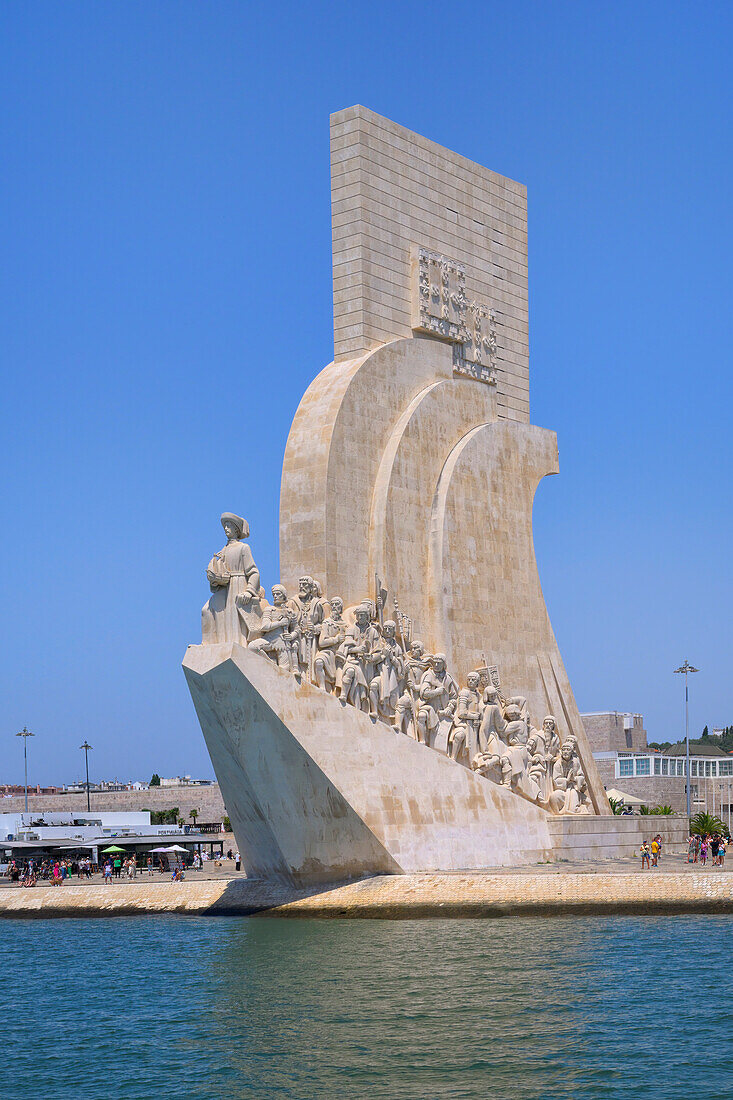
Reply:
x=627, y=799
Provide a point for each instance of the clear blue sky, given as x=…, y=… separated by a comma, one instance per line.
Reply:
x=166, y=240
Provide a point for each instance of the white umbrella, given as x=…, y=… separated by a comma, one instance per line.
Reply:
x=175, y=848
x=160, y=849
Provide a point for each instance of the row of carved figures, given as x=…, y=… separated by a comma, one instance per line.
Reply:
x=373, y=663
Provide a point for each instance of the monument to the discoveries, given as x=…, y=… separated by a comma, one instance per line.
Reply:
x=401, y=703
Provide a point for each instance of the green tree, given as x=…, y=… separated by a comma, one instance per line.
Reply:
x=193, y=814
x=703, y=823
x=155, y=780
x=617, y=806
x=663, y=810
x=227, y=824
x=705, y=734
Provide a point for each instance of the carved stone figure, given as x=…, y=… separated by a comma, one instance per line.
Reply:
x=515, y=758
x=384, y=688
x=408, y=705
x=279, y=630
x=567, y=779
x=463, y=739
x=543, y=746
x=439, y=694
x=235, y=583
x=357, y=650
x=311, y=611
x=330, y=640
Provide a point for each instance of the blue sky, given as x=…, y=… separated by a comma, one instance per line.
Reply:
x=166, y=298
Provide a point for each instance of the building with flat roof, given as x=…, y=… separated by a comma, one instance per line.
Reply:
x=39, y=835
x=626, y=763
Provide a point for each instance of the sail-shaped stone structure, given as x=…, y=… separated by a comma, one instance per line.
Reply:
x=409, y=478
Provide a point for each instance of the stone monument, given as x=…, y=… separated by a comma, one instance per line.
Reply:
x=401, y=704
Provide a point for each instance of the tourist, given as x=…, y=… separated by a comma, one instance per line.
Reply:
x=117, y=867
x=644, y=852
x=56, y=881
x=655, y=851
x=721, y=851
x=704, y=850
x=658, y=839
x=150, y=866
x=714, y=846
x=108, y=873
x=238, y=862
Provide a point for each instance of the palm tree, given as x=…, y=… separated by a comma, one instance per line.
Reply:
x=193, y=814
x=703, y=824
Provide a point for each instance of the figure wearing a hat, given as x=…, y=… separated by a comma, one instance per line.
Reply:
x=235, y=582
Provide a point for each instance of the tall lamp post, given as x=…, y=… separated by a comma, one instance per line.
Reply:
x=687, y=668
x=86, y=748
x=25, y=733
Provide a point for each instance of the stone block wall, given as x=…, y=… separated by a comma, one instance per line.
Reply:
x=607, y=732
x=207, y=800
x=392, y=189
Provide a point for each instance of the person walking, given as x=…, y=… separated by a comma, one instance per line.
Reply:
x=150, y=866
x=714, y=849
x=644, y=853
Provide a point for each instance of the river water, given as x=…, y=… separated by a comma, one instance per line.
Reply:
x=209, y=1008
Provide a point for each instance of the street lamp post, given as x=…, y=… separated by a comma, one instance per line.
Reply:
x=687, y=668
x=25, y=733
x=86, y=748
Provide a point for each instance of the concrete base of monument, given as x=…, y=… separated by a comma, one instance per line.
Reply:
x=318, y=792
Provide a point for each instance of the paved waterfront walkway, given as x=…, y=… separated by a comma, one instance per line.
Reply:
x=602, y=887
x=226, y=873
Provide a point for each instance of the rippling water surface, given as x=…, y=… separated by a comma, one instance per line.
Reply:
x=210, y=1008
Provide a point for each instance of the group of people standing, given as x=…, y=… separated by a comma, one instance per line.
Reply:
x=55, y=871
x=700, y=849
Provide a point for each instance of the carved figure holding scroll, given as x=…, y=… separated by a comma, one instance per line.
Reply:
x=359, y=644
x=279, y=629
x=463, y=738
x=384, y=689
x=330, y=640
x=439, y=694
x=235, y=582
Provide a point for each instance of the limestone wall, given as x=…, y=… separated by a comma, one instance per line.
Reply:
x=391, y=189
x=207, y=800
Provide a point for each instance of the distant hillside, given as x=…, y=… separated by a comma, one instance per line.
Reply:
x=724, y=741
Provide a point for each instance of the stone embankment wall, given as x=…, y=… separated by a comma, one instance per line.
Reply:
x=207, y=800
x=395, y=896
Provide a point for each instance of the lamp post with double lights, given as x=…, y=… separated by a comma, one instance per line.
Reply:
x=25, y=733
x=86, y=748
x=686, y=668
